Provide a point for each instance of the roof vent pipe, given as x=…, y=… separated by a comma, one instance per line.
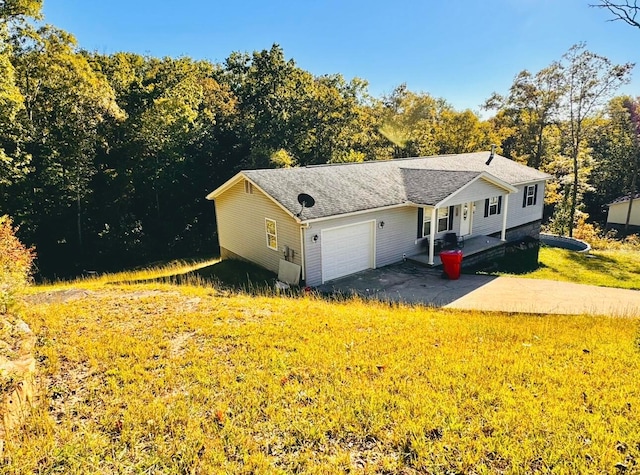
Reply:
x=493, y=151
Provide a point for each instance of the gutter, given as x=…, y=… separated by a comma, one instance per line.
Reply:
x=355, y=213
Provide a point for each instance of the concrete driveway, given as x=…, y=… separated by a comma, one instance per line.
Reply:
x=412, y=283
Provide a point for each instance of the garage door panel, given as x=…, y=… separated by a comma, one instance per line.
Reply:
x=347, y=249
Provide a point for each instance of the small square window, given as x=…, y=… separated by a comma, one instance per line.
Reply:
x=272, y=234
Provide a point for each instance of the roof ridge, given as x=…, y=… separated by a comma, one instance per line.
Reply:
x=444, y=171
x=393, y=160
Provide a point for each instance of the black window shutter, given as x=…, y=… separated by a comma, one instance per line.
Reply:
x=420, y=222
x=450, y=218
x=535, y=195
x=524, y=198
x=486, y=207
x=499, y=204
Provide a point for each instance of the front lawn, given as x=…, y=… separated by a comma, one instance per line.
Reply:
x=158, y=378
x=604, y=268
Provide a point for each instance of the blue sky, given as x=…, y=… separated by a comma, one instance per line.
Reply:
x=460, y=50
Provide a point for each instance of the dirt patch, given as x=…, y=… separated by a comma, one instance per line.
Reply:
x=58, y=296
x=178, y=343
x=67, y=389
x=68, y=295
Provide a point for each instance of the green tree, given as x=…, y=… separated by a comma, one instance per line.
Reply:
x=419, y=125
x=271, y=92
x=529, y=109
x=351, y=156
x=589, y=81
x=65, y=103
x=334, y=119
x=616, y=148
x=179, y=139
x=13, y=161
x=462, y=132
x=410, y=121
x=281, y=106
x=282, y=159
x=17, y=11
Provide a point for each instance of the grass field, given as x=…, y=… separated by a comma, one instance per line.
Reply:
x=619, y=268
x=160, y=378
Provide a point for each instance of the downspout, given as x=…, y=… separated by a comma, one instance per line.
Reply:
x=302, y=250
x=432, y=235
x=503, y=234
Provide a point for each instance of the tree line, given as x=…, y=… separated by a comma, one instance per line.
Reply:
x=106, y=159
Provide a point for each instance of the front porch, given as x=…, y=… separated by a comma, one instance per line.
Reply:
x=476, y=249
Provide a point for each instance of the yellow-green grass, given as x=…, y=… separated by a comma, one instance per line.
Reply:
x=619, y=268
x=227, y=274
x=158, y=378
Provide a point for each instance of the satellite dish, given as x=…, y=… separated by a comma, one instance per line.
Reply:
x=306, y=201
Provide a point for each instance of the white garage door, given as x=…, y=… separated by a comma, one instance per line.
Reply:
x=347, y=249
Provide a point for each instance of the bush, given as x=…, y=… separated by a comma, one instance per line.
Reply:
x=605, y=240
x=16, y=262
x=599, y=239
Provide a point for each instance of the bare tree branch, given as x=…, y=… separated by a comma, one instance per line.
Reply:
x=627, y=11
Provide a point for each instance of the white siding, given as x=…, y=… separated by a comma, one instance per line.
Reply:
x=517, y=215
x=241, y=227
x=478, y=190
x=397, y=237
x=618, y=213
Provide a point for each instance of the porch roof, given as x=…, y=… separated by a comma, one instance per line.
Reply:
x=439, y=187
x=430, y=187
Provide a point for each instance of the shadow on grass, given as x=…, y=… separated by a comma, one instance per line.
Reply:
x=237, y=276
x=227, y=274
x=591, y=262
x=603, y=265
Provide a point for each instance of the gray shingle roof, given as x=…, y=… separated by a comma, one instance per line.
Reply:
x=448, y=182
x=625, y=198
x=346, y=188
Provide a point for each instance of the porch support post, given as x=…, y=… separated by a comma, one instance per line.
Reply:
x=505, y=210
x=432, y=235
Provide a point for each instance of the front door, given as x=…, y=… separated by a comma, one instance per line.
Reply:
x=466, y=216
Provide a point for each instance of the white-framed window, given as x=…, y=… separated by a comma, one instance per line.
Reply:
x=248, y=187
x=426, y=225
x=272, y=233
x=492, y=206
x=442, y=220
x=530, y=195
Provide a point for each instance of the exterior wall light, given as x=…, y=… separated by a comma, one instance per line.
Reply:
x=381, y=224
x=315, y=238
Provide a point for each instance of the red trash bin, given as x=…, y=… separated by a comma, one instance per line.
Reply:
x=451, y=262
